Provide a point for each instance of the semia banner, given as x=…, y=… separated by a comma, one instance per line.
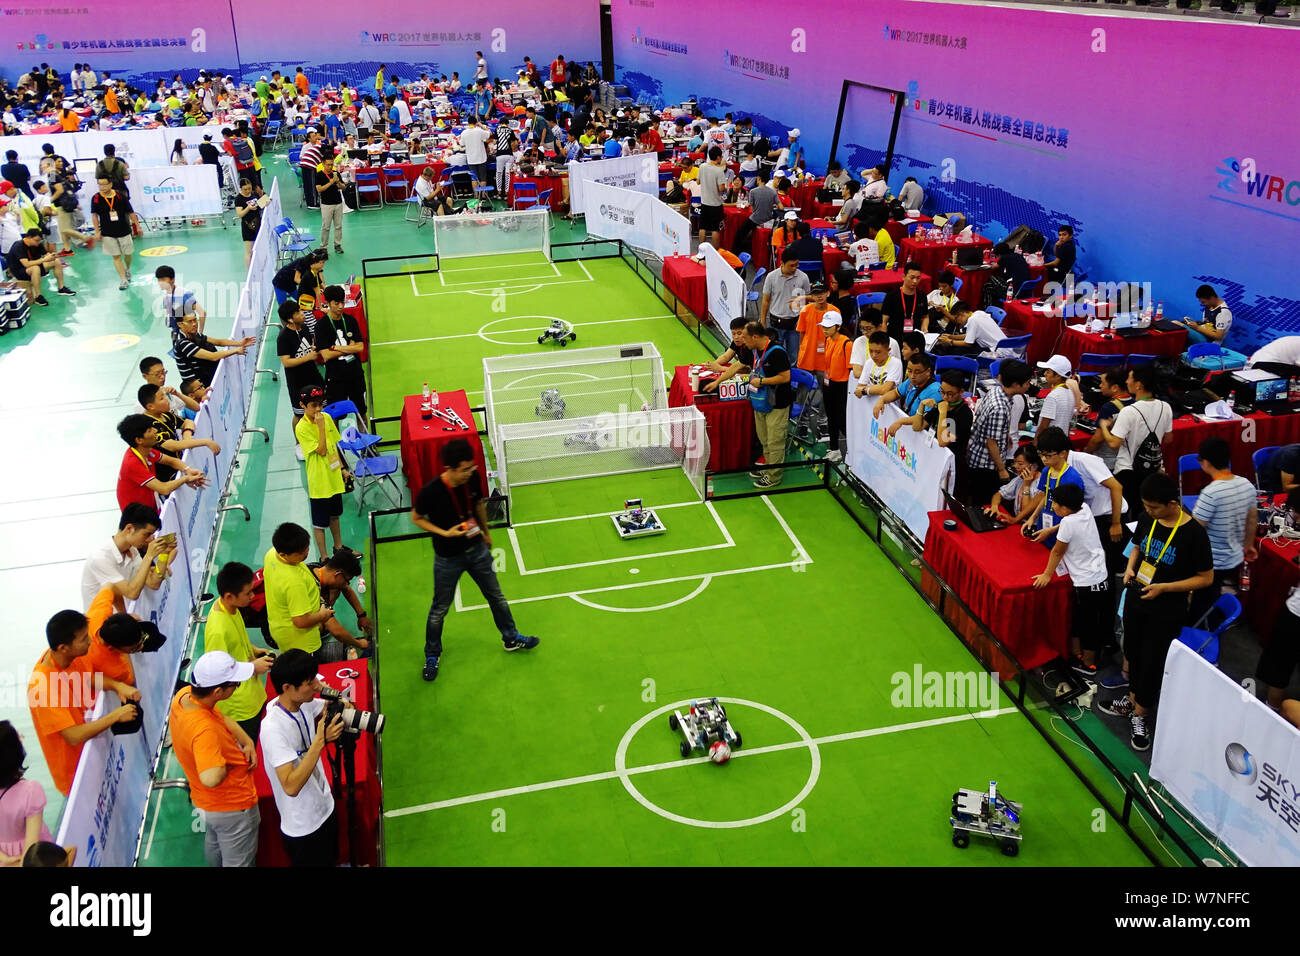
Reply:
x=726, y=287
x=908, y=471
x=1229, y=759
x=175, y=191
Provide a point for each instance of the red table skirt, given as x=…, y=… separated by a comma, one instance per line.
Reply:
x=805, y=197
x=422, y=440
x=357, y=309
x=730, y=424
x=684, y=278
x=992, y=573
x=972, y=288
x=1272, y=578
x=1074, y=344
x=270, y=843
x=935, y=256
x=1045, y=328
x=732, y=217
x=554, y=183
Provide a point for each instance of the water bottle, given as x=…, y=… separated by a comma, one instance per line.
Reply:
x=1293, y=390
x=359, y=585
x=947, y=232
x=1243, y=583
x=1232, y=402
x=426, y=407
x=1160, y=311
x=433, y=400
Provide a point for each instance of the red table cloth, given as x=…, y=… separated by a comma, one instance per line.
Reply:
x=684, y=278
x=805, y=197
x=1075, y=343
x=993, y=574
x=1272, y=577
x=410, y=172
x=972, y=284
x=732, y=217
x=730, y=424
x=422, y=440
x=1188, y=433
x=1045, y=327
x=934, y=256
x=554, y=183
x=898, y=230
x=270, y=844
x=355, y=306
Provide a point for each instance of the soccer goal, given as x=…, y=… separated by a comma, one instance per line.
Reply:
x=609, y=443
x=493, y=233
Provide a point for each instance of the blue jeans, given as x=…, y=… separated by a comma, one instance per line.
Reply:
x=788, y=339
x=477, y=562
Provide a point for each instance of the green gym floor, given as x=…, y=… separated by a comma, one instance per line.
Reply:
x=563, y=755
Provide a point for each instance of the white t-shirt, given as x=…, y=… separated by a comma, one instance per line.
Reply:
x=481, y=72
x=937, y=300
x=285, y=737
x=107, y=565
x=983, y=330
x=423, y=187
x=876, y=190
x=1094, y=472
x=1285, y=351
x=1133, y=424
x=1058, y=406
x=864, y=253
x=475, y=141
x=403, y=113
x=1018, y=406
x=1084, y=559
x=873, y=374
x=717, y=136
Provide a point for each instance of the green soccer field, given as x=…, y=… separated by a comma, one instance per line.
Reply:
x=778, y=605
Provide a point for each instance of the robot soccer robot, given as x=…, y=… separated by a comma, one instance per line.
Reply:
x=636, y=521
x=552, y=405
x=558, y=331
x=706, y=724
x=987, y=814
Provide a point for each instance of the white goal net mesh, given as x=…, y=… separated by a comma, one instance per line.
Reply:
x=492, y=233
x=609, y=443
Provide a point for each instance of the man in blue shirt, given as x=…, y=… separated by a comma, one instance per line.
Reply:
x=920, y=385
x=1054, y=451
x=794, y=158
x=394, y=118
x=482, y=100
x=333, y=125
x=612, y=147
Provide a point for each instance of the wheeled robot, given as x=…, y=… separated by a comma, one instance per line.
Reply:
x=558, y=331
x=986, y=814
x=706, y=724
x=552, y=405
x=637, y=521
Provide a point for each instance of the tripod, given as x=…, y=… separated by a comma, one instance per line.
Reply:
x=343, y=763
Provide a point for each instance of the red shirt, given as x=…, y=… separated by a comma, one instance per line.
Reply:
x=558, y=72
x=135, y=474
x=652, y=139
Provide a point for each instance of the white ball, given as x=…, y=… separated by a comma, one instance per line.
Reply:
x=719, y=752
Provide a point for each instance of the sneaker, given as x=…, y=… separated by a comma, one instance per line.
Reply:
x=520, y=642
x=123, y=285
x=1087, y=671
x=834, y=455
x=766, y=481
x=297, y=451
x=41, y=300
x=756, y=474
x=1118, y=707
x=1137, y=733
x=338, y=250
x=1114, y=681
x=66, y=291
x=430, y=668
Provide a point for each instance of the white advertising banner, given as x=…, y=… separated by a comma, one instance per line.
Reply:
x=726, y=287
x=909, y=471
x=672, y=231
x=137, y=147
x=614, y=213
x=638, y=172
x=1229, y=759
x=191, y=137
x=176, y=191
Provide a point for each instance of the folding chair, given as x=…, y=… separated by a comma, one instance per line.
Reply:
x=755, y=289
x=813, y=267
x=368, y=185
x=525, y=196
x=1204, y=640
x=1095, y=362
x=999, y=314
x=1187, y=463
x=1027, y=288
x=1259, y=459
x=298, y=233
x=369, y=470
x=803, y=414
x=286, y=246
x=396, y=182
x=963, y=364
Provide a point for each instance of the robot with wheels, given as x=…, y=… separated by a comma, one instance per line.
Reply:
x=637, y=521
x=552, y=405
x=706, y=724
x=558, y=331
x=987, y=814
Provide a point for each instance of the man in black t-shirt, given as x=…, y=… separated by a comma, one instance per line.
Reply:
x=298, y=357
x=113, y=216
x=1013, y=273
x=771, y=396
x=450, y=507
x=27, y=261
x=1171, y=559
x=345, y=377
x=906, y=307
x=329, y=192
x=735, y=360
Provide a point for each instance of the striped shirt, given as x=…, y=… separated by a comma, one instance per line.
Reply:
x=992, y=420
x=1223, y=508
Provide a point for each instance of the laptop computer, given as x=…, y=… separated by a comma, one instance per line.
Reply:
x=977, y=520
x=1272, y=396
x=1126, y=325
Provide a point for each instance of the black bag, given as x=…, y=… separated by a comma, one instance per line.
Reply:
x=243, y=151
x=68, y=200
x=1149, y=458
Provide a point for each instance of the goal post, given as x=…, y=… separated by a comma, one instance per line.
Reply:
x=493, y=233
x=609, y=443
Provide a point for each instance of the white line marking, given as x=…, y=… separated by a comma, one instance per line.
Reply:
x=771, y=507
x=584, y=271
x=671, y=764
x=634, y=557
x=474, y=335
x=607, y=514
x=717, y=518
x=506, y=288
x=514, y=543
x=414, y=290
x=642, y=610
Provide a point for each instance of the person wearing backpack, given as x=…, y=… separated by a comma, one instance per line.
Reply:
x=1137, y=433
x=113, y=169
x=771, y=396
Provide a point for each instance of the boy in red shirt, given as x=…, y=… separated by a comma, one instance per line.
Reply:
x=137, y=479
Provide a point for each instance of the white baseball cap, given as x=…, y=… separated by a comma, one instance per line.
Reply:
x=791, y=215
x=793, y=134
x=831, y=318
x=218, y=667
x=1058, y=364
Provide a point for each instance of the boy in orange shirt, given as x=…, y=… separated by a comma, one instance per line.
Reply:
x=115, y=637
x=62, y=688
x=812, y=344
x=838, y=349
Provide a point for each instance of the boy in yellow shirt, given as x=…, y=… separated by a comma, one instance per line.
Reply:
x=318, y=437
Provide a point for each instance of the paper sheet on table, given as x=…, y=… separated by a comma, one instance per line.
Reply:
x=930, y=339
x=1078, y=328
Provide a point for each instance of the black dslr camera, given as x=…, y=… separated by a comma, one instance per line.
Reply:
x=355, y=720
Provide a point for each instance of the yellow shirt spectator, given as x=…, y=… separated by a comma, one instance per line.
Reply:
x=291, y=591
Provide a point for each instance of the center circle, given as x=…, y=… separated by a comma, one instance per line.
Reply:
x=496, y=337
x=620, y=768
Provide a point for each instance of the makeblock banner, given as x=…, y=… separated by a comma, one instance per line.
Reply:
x=909, y=471
x=1228, y=759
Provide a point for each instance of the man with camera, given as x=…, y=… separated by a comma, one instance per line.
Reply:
x=294, y=735
x=218, y=759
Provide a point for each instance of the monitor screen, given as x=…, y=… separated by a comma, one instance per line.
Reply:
x=1273, y=390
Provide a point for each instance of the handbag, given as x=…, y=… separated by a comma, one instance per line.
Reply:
x=764, y=399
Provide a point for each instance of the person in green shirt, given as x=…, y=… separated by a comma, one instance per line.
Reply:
x=225, y=631
x=294, y=609
x=345, y=93
x=318, y=437
x=263, y=89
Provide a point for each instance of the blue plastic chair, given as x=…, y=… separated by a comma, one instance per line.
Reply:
x=298, y=233
x=394, y=180
x=1259, y=459
x=1205, y=641
x=999, y=314
x=744, y=258
x=755, y=288
x=271, y=135
x=963, y=364
x=1201, y=354
x=1094, y=362
x=368, y=185
x=870, y=298
x=1187, y=463
x=1027, y=288
x=1138, y=358
x=525, y=196
x=805, y=383
x=811, y=266
x=338, y=410
x=370, y=470
x=286, y=245
x=1018, y=343
x=957, y=283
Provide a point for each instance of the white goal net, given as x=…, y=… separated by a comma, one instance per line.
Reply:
x=609, y=443
x=492, y=233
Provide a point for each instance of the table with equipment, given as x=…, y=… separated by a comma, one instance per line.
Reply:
x=422, y=439
x=730, y=422
x=933, y=256
x=1272, y=577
